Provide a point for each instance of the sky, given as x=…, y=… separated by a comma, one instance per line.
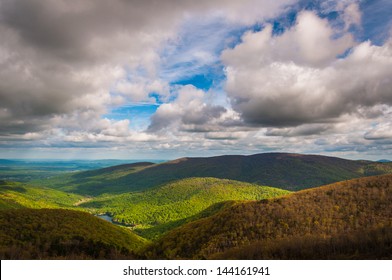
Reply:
x=150, y=79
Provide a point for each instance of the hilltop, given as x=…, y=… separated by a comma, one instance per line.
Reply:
x=281, y=170
x=350, y=219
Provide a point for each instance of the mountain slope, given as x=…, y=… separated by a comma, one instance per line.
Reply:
x=351, y=212
x=369, y=243
x=287, y=171
x=175, y=201
x=20, y=195
x=58, y=234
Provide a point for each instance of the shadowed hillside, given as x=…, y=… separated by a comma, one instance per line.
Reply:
x=287, y=171
x=350, y=219
x=63, y=234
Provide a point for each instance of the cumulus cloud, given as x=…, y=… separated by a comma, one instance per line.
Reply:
x=58, y=58
x=190, y=111
x=140, y=89
x=381, y=129
x=64, y=65
x=298, y=78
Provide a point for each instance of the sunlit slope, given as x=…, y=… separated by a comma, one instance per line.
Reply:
x=63, y=234
x=20, y=195
x=351, y=219
x=176, y=201
x=288, y=171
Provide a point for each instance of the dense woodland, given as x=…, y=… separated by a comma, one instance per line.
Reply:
x=63, y=234
x=175, y=202
x=203, y=218
x=374, y=243
x=336, y=213
x=281, y=170
x=21, y=195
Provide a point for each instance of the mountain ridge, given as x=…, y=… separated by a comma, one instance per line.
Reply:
x=282, y=170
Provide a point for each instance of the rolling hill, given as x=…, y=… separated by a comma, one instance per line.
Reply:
x=21, y=195
x=346, y=220
x=63, y=234
x=281, y=170
x=190, y=215
x=157, y=210
x=350, y=219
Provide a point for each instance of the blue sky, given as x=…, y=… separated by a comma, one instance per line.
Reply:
x=89, y=80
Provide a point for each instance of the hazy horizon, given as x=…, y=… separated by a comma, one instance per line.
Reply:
x=169, y=159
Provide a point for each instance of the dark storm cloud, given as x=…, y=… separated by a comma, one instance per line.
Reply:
x=60, y=56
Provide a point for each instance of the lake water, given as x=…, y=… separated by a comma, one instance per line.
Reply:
x=106, y=217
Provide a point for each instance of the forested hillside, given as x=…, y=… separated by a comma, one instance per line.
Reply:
x=204, y=217
x=63, y=234
x=20, y=195
x=281, y=170
x=350, y=219
x=157, y=210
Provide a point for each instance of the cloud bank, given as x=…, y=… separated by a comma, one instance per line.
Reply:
x=304, y=76
x=220, y=81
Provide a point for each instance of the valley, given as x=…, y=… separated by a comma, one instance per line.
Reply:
x=264, y=206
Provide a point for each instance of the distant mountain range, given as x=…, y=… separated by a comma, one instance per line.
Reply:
x=282, y=170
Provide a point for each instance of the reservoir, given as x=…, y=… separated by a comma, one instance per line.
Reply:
x=106, y=217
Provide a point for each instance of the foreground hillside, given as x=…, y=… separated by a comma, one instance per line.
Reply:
x=287, y=171
x=347, y=220
x=63, y=234
x=350, y=219
x=157, y=210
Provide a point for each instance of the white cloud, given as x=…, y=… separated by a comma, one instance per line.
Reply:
x=310, y=42
x=352, y=16
x=189, y=111
x=381, y=132
x=65, y=64
x=62, y=57
x=140, y=89
x=296, y=78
